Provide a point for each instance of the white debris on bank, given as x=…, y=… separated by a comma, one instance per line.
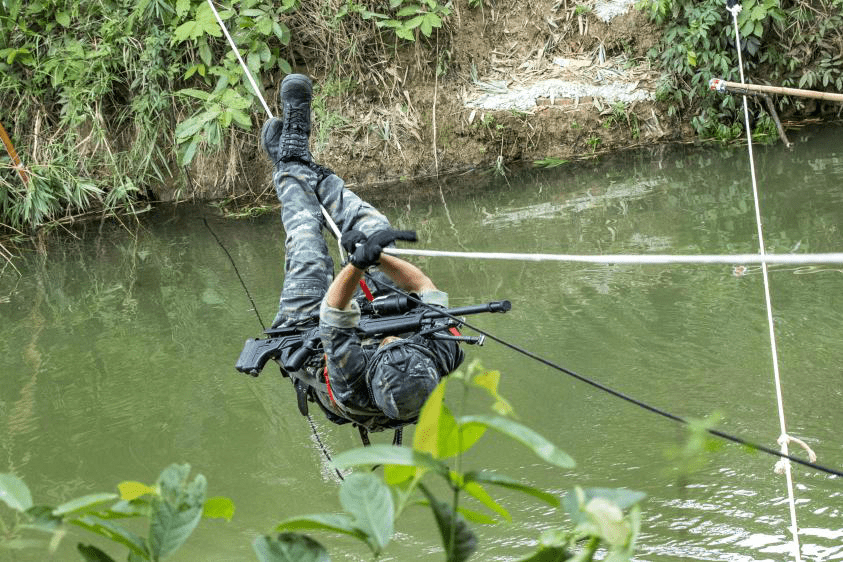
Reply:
x=608, y=9
x=524, y=98
x=591, y=78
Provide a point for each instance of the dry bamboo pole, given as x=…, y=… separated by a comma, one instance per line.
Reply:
x=10, y=148
x=736, y=87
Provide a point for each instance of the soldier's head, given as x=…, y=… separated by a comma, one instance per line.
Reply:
x=401, y=376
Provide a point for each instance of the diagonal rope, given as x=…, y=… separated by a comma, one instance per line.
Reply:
x=735, y=9
x=248, y=74
x=617, y=393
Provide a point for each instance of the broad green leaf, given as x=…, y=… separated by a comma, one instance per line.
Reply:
x=413, y=22
x=405, y=34
x=177, y=511
x=388, y=454
x=476, y=517
x=282, y=32
x=609, y=521
x=511, y=484
x=427, y=433
x=394, y=474
x=225, y=118
x=437, y=431
x=85, y=503
x=188, y=30
x=189, y=127
x=199, y=94
x=452, y=526
x=289, y=547
x=189, y=152
x=336, y=522
x=91, y=553
x=63, y=18
x=241, y=119
x=489, y=381
x=14, y=493
x=621, y=497
x=543, y=448
x=425, y=26
x=410, y=10
x=112, y=532
x=231, y=98
x=182, y=6
x=369, y=502
x=218, y=507
x=264, y=26
x=130, y=490
x=477, y=491
x=285, y=66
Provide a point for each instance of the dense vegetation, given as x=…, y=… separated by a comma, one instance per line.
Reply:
x=791, y=43
x=105, y=101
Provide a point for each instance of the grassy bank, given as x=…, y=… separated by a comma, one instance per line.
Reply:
x=118, y=103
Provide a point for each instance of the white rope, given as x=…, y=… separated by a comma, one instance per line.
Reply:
x=243, y=64
x=328, y=218
x=784, y=438
x=631, y=259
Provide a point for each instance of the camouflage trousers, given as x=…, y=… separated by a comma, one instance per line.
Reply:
x=308, y=268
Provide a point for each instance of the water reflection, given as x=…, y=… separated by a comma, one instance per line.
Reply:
x=118, y=351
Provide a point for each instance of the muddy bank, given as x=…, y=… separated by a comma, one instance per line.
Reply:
x=517, y=83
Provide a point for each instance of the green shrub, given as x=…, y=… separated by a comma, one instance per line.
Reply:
x=787, y=43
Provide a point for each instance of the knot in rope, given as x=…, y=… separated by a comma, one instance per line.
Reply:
x=784, y=440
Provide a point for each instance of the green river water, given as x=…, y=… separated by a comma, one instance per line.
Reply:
x=118, y=347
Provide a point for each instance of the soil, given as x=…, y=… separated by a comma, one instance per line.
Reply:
x=522, y=82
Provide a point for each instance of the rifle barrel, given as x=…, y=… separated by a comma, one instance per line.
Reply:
x=494, y=306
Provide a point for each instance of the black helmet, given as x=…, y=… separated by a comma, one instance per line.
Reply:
x=401, y=376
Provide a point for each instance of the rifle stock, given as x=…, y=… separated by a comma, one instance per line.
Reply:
x=294, y=346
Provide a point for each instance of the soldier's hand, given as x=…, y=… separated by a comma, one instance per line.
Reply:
x=350, y=239
x=367, y=254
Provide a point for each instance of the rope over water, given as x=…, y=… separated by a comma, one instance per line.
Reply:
x=631, y=259
x=734, y=9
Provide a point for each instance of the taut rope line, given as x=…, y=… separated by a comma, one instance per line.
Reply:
x=783, y=440
x=631, y=259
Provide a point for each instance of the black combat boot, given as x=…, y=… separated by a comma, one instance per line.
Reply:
x=287, y=140
x=296, y=93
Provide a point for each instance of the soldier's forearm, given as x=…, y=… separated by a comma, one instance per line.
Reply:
x=343, y=287
x=406, y=275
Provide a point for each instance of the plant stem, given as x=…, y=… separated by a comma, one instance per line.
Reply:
x=458, y=470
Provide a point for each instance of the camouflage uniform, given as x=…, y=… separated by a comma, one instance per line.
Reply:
x=308, y=273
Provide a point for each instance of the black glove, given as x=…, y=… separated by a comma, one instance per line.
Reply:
x=367, y=254
x=350, y=239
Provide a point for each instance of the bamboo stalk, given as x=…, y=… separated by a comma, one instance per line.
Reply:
x=735, y=87
x=10, y=148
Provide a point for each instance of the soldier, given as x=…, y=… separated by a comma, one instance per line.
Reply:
x=375, y=385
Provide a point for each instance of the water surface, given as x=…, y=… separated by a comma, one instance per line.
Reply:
x=119, y=343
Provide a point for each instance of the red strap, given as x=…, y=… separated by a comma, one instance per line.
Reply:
x=369, y=296
x=328, y=382
x=454, y=331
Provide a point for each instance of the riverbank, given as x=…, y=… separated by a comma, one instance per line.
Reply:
x=517, y=83
x=410, y=91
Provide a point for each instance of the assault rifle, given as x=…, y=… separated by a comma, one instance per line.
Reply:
x=385, y=316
